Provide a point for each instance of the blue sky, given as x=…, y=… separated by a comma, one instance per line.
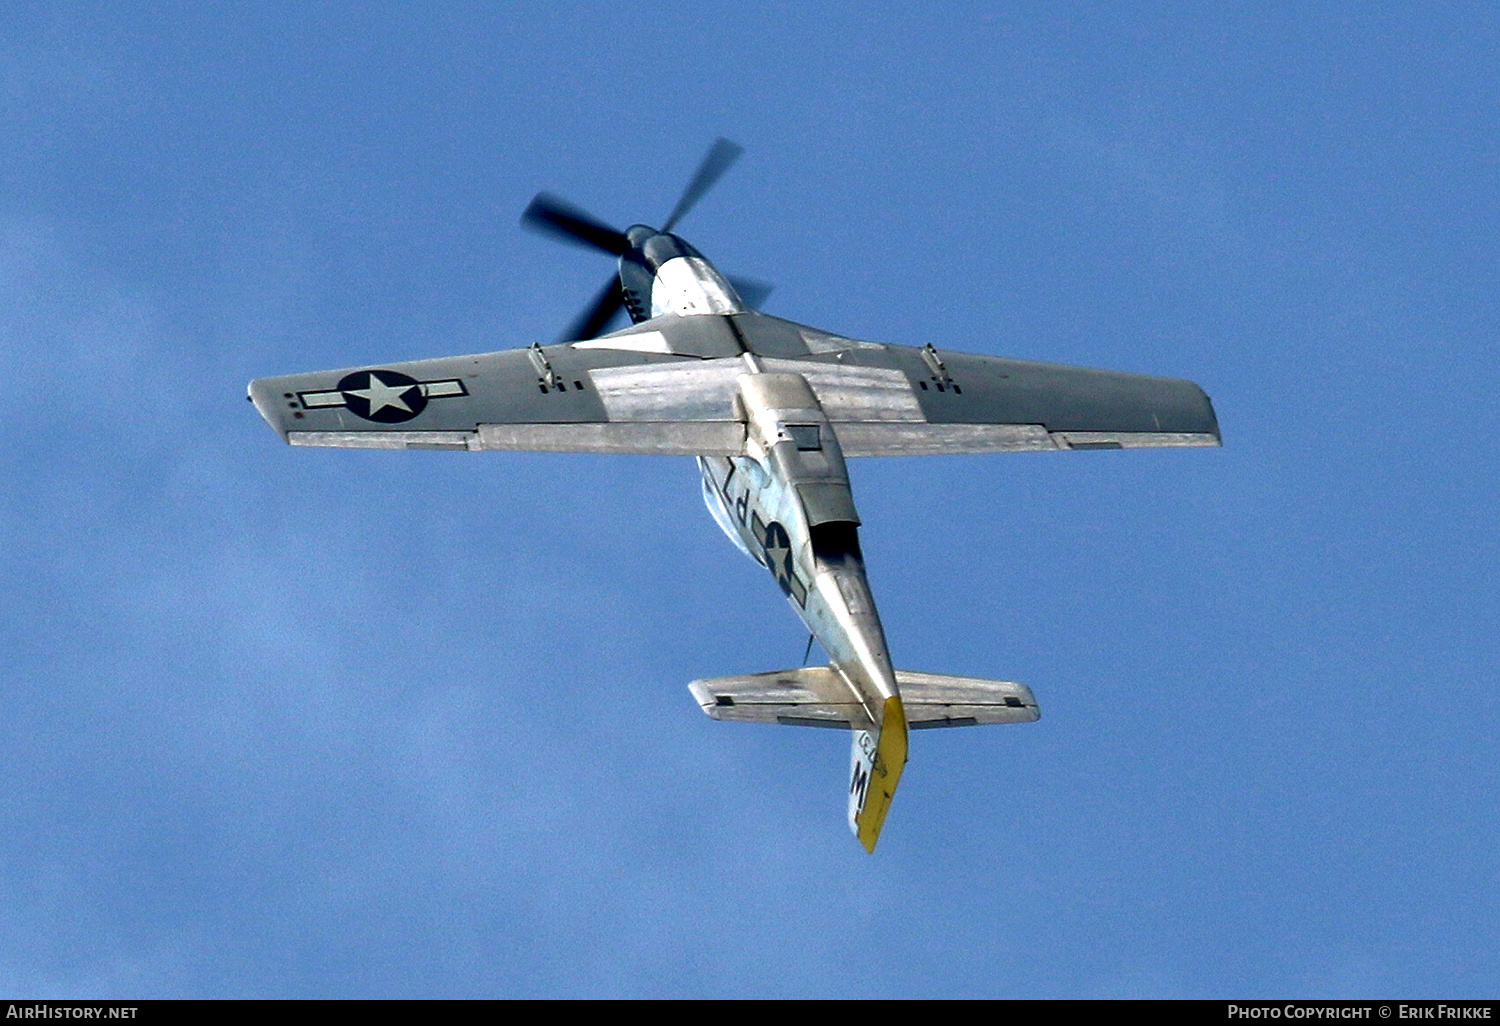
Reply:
x=282, y=722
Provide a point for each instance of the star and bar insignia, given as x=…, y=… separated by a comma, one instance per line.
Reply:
x=385, y=396
x=778, y=548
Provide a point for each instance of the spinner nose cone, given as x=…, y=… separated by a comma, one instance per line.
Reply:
x=639, y=234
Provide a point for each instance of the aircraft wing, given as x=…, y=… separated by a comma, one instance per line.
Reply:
x=891, y=400
x=633, y=392
x=669, y=386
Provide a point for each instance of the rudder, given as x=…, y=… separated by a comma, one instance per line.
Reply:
x=876, y=759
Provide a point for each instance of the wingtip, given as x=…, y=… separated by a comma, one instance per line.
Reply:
x=265, y=404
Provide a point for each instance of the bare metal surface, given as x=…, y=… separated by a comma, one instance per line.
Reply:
x=689, y=286
x=853, y=393
x=384, y=439
x=824, y=342
x=813, y=693
x=869, y=439
x=723, y=438
x=686, y=390
x=635, y=342
x=819, y=696
x=936, y=696
x=1133, y=439
x=705, y=390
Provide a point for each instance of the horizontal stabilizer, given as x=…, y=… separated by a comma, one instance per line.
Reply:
x=938, y=700
x=816, y=696
x=809, y=696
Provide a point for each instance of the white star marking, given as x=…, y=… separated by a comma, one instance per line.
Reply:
x=381, y=395
x=776, y=553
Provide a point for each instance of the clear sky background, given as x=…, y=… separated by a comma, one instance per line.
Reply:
x=283, y=722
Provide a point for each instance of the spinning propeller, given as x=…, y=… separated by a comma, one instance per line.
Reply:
x=552, y=215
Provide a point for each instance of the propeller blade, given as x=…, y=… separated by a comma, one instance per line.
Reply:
x=720, y=156
x=753, y=292
x=555, y=216
x=597, y=315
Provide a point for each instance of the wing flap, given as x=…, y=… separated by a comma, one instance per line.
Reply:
x=681, y=438
x=865, y=439
x=721, y=438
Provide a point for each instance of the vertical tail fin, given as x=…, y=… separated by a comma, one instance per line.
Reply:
x=876, y=760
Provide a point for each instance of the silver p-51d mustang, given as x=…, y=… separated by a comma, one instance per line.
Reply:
x=771, y=409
